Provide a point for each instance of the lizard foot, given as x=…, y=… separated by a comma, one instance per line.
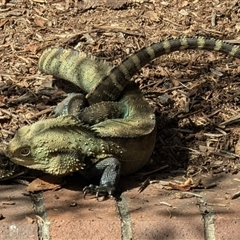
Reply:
x=109, y=169
x=72, y=105
x=98, y=191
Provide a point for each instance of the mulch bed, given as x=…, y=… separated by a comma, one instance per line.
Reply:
x=194, y=93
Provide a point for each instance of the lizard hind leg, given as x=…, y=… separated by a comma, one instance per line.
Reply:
x=75, y=104
x=109, y=169
x=72, y=104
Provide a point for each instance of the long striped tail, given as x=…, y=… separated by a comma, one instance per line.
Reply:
x=111, y=86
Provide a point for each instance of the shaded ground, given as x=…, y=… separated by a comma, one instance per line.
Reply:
x=194, y=93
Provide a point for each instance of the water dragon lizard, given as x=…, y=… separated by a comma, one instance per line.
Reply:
x=107, y=146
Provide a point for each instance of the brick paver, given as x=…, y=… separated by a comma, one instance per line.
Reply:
x=226, y=210
x=158, y=214
x=17, y=210
x=153, y=214
x=72, y=217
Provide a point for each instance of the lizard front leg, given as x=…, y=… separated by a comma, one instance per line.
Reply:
x=109, y=169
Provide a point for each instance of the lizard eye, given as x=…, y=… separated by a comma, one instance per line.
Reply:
x=25, y=151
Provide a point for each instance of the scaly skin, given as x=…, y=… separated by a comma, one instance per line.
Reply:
x=74, y=104
x=85, y=71
x=8, y=169
x=63, y=145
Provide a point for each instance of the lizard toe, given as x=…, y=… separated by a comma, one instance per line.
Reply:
x=98, y=191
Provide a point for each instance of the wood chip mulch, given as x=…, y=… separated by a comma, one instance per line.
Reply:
x=195, y=94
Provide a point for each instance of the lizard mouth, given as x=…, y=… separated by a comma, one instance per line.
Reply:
x=23, y=162
x=17, y=160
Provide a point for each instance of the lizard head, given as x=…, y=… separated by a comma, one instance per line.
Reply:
x=48, y=145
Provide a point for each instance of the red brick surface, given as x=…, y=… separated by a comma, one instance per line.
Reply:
x=226, y=210
x=153, y=214
x=17, y=210
x=87, y=219
x=157, y=214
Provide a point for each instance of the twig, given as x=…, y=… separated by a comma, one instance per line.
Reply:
x=235, y=195
x=232, y=120
x=48, y=110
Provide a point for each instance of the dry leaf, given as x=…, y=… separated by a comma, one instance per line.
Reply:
x=184, y=12
x=2, y=23
x=184, y=3
x=32, y=48
x=40, y=22
x=30, y=220
x=186, y=186
x=44, y=183
x=152, y=15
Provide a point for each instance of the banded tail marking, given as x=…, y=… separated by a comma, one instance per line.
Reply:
x=111, y=86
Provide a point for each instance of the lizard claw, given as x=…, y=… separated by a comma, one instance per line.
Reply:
x=98, y=191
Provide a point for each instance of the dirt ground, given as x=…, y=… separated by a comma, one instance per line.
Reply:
x=195, y=94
